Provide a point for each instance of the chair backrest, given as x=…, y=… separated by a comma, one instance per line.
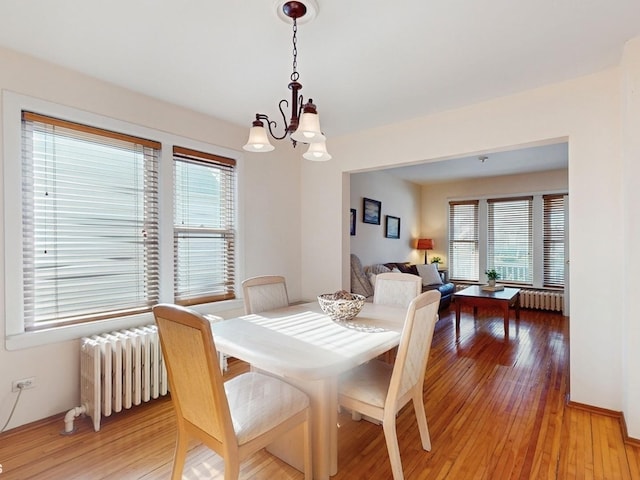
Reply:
x=263, y=293
x=415, y=344
x=197, y=388
x=396, y=289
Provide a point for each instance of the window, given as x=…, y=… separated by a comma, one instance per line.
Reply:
x=463, y=240
x=522, y=238
x=510, y=239
x=204, y=232
x=90, y=223
x=553, y=240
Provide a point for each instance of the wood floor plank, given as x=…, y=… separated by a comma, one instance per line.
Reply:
x=496, y=409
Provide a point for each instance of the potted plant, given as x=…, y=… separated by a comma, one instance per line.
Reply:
x=436, y=260
x=492, y=275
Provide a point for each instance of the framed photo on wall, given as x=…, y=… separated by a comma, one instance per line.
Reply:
x=352, y=221
x=371, y=211
x=392, y=227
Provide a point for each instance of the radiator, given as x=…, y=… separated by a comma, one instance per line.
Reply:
x=535, y=299
x=118, y=370
x=541, y=300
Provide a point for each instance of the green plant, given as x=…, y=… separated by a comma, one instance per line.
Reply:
x=436, y=259
x=492, y=274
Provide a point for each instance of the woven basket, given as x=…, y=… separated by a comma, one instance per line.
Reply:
x=341, y=309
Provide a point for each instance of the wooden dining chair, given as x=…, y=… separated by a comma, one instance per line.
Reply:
x=266, y=292
x=379, y=390
x=235, y=418
x=396, y=289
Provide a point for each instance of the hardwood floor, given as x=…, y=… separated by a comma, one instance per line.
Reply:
x=496, y=410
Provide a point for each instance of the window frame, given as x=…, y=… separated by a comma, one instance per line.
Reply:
x=13, y=104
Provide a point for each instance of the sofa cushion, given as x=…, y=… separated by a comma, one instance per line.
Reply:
x=404, y=267
x=377, y=269
x=429, y=274
x=359, y=282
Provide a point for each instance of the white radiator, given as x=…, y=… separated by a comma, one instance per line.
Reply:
x=542, y=300
x=118, y=370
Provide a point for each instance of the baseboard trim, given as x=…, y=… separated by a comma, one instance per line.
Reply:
x=634, y=442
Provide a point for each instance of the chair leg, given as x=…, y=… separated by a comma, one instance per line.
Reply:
x=390, y=436
x=421, y=417
x=179, y=456
x=231, y=469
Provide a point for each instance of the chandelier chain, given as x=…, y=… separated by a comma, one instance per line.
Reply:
x=295, y=75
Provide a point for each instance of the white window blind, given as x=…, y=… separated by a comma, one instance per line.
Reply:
x=510, y=238
x=90, y=216
x=463, y=240
x=204, y=227
x=553, y=240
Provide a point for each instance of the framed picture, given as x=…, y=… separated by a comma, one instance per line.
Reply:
x=352, y=221
x=371, y=211
x=392, y=227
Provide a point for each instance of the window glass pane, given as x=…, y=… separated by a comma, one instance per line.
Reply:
x=554, y=241
x=510, y=239
x=89, y=225
x=463, y=241
x=204, y=230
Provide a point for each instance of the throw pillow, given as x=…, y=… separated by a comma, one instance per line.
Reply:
x=430, y=274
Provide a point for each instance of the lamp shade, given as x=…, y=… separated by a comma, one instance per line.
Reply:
x=258, y=140
x=308, y=130
x=425, y=244
x=317, y=152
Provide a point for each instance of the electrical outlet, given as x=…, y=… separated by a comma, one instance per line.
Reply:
x=23, y=384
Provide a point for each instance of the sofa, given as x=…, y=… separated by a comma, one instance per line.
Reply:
x=362, y=278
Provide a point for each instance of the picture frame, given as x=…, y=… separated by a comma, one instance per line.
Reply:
x=352, y=222
x=371, y=211
x=392, y=227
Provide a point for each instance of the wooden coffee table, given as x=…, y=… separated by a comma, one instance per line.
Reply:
x=475, y=297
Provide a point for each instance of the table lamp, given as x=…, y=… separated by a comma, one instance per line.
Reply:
x=425, y=244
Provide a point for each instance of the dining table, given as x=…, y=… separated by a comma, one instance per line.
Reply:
x=306, y=348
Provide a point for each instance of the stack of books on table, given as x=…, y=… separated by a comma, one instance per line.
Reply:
x=493, y=288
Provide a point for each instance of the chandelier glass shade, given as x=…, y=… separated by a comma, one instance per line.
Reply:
x=304, y=123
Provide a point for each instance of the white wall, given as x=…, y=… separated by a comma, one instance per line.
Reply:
x=400, y=199
x=586, y=112
x=269, y=217
x=435, y=199
x=630, y=283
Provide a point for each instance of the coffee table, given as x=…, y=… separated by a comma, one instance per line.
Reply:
x=475, y=297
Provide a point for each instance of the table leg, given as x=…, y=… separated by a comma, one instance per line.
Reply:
x=505, y=309
x=517, y=306
x=324, y=430
x=458, y=305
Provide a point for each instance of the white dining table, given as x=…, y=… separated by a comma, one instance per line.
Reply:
x=308, y=349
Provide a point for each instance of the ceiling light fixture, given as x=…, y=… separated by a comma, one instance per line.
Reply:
x=304, y=124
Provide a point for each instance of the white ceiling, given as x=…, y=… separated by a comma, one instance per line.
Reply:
x=523, y=160
x=365, y=63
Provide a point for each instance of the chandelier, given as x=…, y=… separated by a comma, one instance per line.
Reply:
x=304, y=124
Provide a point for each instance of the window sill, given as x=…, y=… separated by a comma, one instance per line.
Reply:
x=73, y=332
